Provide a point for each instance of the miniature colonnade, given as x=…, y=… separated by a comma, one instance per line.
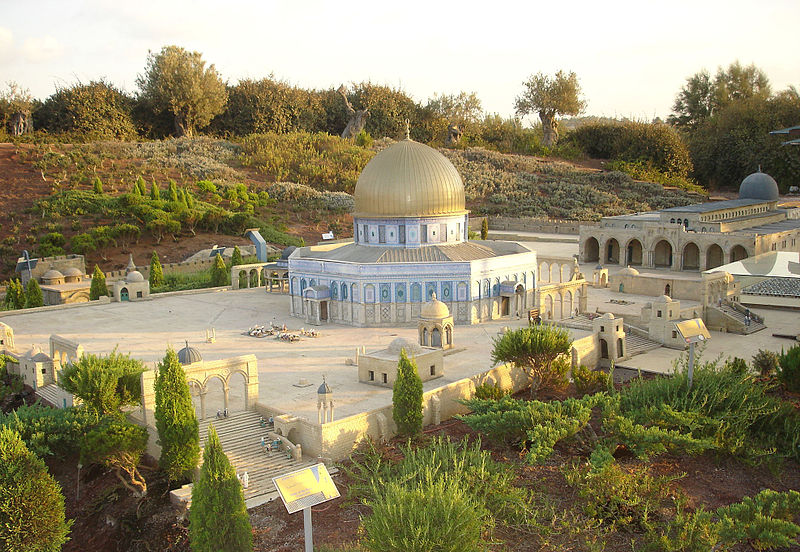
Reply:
x=271, y=276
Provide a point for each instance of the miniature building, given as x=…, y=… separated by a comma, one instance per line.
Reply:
x=6, y=337
x=36, y=368
x=133, y=287
x=697, y=237
x=64, y=288
x=324, y=403
x=36, y=268
x=410, y=241
x=611, y=335
x=436, y=325
x=664, y=312
x=380, y=367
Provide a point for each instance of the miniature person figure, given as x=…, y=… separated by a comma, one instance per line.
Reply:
x=219, y=413
x=269, y=448
x=261, y=421
x=263, y=444
x=271, y=420
x=225, y=413
x=245, y=480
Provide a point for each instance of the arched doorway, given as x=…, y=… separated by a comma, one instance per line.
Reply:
x=425, y=341
x=603, y=348
x=237, y=392
x=123, y=295
x=436, y=338
x=591, y=251
x=714, y=256
x=620, y=346
x=448, y=332
x=548, y=307
x=691, y=257
x=662, y=254
x=668, y=290
x=738, y=253
x=612, y=251
x=634, y=252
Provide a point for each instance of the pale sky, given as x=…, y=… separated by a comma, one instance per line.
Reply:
x=631, y=57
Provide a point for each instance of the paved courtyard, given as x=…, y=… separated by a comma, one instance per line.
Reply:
x=145, y=329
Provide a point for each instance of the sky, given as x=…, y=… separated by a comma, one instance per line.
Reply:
x=631, y=57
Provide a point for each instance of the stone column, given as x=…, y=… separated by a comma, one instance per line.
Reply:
x=226, y=390
x=203, y=404
x=677, y=261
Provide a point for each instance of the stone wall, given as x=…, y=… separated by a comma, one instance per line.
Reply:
x=586, y=351
x=186, y=267
x=336, y=440
x=59, y=262
x=530, y=224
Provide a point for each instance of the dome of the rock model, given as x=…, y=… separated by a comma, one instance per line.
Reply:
x=434, y=309
x=401, y=343
x=189, y=355
x=134, y=276
x=409, y=179
x=759, y=185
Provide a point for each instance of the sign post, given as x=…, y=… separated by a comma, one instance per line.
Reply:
x=304, y=488
x=692, y=331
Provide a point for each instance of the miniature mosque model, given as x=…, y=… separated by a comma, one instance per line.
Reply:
x=410, y=229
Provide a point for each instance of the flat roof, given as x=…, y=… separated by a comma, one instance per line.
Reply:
x=717, y=205
x=773, y=227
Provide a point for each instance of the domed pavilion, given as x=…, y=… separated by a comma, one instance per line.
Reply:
x=410, y=229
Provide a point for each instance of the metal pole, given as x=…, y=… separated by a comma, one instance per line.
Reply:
x=691, y=363
x=307, y=528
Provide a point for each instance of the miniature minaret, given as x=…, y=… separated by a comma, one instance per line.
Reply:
x=131, y=266
x=324, y=403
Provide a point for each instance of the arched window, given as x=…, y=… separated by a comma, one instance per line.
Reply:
x=344, y=291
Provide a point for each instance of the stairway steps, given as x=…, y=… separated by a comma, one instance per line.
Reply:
x=240, y=436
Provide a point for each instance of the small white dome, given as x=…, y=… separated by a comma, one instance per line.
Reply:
x=434, y=309
x=134, y=276
x=629, y=271
x=608, y=316
x=664, y=299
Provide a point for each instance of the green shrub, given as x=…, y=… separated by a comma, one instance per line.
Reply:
x=51, y=244
x=789, y=368
x=105, y=384
x=540, y=351
x=534, y=426
x=50, y=431
x=687, y=532
x=15, y=295
x=33, y=294
x=32, y=506
x=83, y=244
x=219, y=272
x=766, y=521
x=588, y=382
x=625, y=498
x=438, y=515
x=98, y=288
x=156, y=277
x=97, y=185
x=486, y=391
x=407, y=397
x=765, y=362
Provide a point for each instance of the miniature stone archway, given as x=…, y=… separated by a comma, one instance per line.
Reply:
x=200, y=374
x=63, y=351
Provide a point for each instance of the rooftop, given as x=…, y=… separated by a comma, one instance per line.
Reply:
x=716, y=206
x=459, y=252
x=776, y=287
x=781, y=264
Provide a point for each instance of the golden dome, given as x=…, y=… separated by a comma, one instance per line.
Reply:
x=434, y=309
x=409, y=179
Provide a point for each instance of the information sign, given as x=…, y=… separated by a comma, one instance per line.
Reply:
x=305, y=488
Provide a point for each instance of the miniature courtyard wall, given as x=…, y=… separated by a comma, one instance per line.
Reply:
x=43, y=264
x=336, y=440
x=380, y=367
x=530, y=224
x=708, y=290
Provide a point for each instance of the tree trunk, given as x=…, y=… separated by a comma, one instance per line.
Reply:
x=182, y=127
x=358, y=118
x=549, y=129
x=20, y=123
x=454, y=134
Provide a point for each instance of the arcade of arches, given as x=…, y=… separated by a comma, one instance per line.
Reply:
x=662, y=252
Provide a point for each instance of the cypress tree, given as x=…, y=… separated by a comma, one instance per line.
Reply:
x=142, y=186
x=189, y=200
x=485, y=228
x=172, y=190
x=175, y=419
x=32, y=505
x=236, y=258
x=156, y=271
x=219, y=272
x=99, y=288
x=154, y=191
x=33, y=295
x=218, y=518
x=135, y=189
x=407, y=397
x=15, y=296
x=182, y=198
x=97, y=185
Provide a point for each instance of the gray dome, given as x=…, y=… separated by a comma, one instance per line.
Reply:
x=72, y=271
x=52, y=274
x=759, y=185
x=134, y=276
x=189, y=355
x=411, y=347
x=324, y=388
x=287, y=251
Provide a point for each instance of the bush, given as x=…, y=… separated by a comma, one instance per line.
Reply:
x=765, y=520
x=622, y=498
x=765, y=362
x=492, y=392
x=105, y=384
x=32, y=505
x=33, y=294
x=588, y=382
x=50, y=431
x=439, y=515
x=536, y=349
x=219, y=273
x=156, y=277
x=98, y=288
x=789, y=368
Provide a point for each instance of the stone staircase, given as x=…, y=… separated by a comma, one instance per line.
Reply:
x=734, y=314
x=636, y=344
x=579, y=322
x=240, y=435
x=53, y=395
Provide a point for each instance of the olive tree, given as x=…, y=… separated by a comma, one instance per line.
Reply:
x=550, y=97
x=178, y=81
x=534, y=350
